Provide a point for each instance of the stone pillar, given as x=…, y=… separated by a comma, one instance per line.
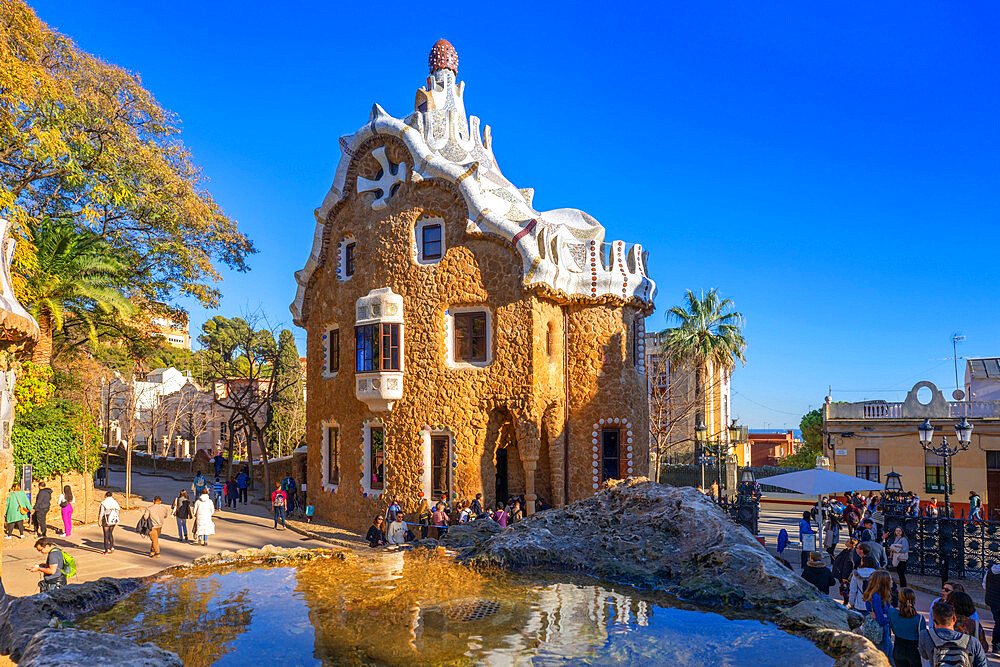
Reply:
x=187, y=448
x=529, y=485
x=177, y=446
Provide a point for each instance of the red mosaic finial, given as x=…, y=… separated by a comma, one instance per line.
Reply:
x=443, y=56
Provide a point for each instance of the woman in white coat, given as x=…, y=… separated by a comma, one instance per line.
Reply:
x=203, y=510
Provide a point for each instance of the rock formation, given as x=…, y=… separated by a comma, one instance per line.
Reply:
x=676, y=540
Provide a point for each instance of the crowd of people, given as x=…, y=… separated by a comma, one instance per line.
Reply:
x=863, y=574
x=392, y=528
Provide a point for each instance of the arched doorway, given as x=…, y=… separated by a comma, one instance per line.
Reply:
x=502, y=469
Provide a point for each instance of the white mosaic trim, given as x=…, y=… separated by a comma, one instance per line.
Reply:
x=366, y=462
x=326, y=337
x=611, y=422
x=445, y=143
x=325, y=454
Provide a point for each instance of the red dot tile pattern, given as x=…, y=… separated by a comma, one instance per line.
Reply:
x=443, y=56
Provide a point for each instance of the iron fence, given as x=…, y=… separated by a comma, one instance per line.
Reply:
x=941, y=546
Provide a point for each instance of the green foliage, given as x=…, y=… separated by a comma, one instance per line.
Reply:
x=288, y=422
x=812, y=438
x=34, y=388
x=709, y=331
x=75, y=273
x=52, y=438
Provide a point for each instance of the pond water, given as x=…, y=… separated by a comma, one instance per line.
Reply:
x=422, y=608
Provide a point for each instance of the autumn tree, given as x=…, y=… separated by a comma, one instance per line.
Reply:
x=82, y=139
x=242, y=355
x=288, y=426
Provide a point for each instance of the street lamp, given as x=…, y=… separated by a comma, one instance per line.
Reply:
x=894, y=482
x=699, y=437
x=747, y=476
x=963, y=430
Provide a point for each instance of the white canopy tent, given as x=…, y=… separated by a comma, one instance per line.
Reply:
x=820, y=482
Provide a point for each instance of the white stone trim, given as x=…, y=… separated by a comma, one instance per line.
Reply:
x=623, y=425
x=325, y=454
x=449, y=336
x=427, y=433
x=379, y=390
x=342, y=257
x=640, y=344
x=325, y=339
x=366, y=462
x=418, y=245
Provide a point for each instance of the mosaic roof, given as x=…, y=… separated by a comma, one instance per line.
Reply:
x=563, y=248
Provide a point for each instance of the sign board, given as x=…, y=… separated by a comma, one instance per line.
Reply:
x=841, y=452
x=26, y=480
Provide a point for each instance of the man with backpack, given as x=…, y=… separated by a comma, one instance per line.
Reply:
x=289, y=486
x=157, y=514
x=199, y=485
x=943, y=646
x=242, y=483
x=58, y=565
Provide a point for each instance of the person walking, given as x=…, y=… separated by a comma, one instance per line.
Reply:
x=43, y=502
x=991, y=584
x=53, y=569
x=975, y=507
x=232, y=493
x=217, y=462
x=477, y=506
x=832, y=537
x=424, y=517
x=242, y=484
x=108, y=516
x=290, y=487
x=157, y=514
x=203, y=510
x=941, y=644
x=279, y=501
x=906, y=625
x=805, y=528
x=18, y=509
x=900, y=551
x=877, y=602
x=868, y=536
x=843, y=568
x=66, y=508
x=181, y=510
x=818, y=574
x=218, y=490
x=199, y=484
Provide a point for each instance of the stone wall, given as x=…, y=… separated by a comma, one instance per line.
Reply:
x=84, y=496
x=516, y=402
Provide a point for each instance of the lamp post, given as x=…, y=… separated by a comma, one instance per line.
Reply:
x=963, y=430
x=700, y=439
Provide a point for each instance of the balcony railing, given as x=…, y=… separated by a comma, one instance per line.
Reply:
x=887, y=410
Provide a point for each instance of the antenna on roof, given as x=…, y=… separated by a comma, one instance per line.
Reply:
x=957, y=338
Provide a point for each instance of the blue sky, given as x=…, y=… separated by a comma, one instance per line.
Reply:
x=832, y=169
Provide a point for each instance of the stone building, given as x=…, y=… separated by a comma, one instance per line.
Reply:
x=460, y=341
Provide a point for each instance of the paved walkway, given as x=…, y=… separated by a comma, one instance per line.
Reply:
x=246, y=526
x=927, y=588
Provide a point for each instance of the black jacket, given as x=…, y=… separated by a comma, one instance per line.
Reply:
x=43, y=501
x=843, y=564
x=375, y=536
x=820, y=577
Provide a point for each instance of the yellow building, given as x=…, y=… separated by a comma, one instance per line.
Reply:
x=869, y=439
x=681, y=396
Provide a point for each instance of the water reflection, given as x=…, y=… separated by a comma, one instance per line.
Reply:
x=422, y=608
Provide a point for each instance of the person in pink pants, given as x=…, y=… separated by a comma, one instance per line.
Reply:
x=66, y=505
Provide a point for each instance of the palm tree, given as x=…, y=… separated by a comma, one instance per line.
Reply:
x=709, y=333
x=74, y=274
